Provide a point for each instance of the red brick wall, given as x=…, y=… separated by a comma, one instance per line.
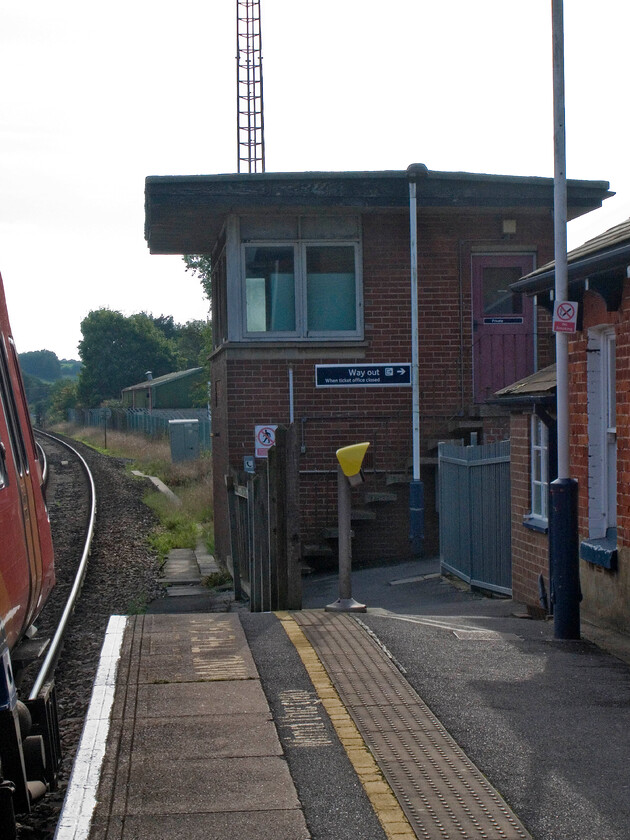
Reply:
x=257, y=391
x=530, y=552
x=606, y=593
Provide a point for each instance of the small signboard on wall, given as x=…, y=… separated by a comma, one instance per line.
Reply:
x=363, y=375
x=565, y=314
x=264, y=439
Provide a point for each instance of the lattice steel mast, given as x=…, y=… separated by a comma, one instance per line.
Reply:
x=249, y=87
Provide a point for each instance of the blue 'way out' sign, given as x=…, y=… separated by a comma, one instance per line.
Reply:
x=363, y=375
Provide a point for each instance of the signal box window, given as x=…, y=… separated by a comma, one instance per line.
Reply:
x=270, y=289
x=331, y=288
x=304, y=285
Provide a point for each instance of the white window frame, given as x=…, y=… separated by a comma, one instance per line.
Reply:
x=300, y=244
x=539, y=454
x=602, y=432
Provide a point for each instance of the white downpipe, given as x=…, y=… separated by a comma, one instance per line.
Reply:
x=415, y=374
x=291, y=404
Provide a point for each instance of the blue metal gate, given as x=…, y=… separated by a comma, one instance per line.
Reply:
x=475, y=519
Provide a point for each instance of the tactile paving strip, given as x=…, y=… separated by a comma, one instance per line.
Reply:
x=441, y=791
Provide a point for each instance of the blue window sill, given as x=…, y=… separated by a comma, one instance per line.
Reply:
x=602, y=552
x=535, y=523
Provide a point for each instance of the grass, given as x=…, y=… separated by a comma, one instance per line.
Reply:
x=191, y=481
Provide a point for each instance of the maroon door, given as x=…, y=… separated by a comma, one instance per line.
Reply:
x=503, y=323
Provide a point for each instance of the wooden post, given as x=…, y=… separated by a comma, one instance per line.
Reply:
x=234, y=538
x=292, y=509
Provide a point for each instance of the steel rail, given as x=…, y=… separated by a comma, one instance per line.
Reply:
x=55, y=645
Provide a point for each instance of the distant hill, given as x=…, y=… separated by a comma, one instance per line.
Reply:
x=70, y=368
x=45, y=366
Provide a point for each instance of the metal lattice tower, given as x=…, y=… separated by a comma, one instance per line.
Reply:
x=249, y=87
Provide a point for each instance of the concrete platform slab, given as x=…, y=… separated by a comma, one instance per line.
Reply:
x=179, y=590
x=210, y=786
x=273, y=825
x=210, y=736
x=244, y=697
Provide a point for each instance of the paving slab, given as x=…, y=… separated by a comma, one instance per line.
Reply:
x=242, y=697
x=206, y=737
x=192, y=750
x=253, y=825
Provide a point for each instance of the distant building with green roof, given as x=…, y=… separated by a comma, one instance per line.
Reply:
x=181, y=389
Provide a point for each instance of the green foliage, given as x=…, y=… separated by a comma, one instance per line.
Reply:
x=116, y=351
x=201, y=267
x=178, y=529
x=215, y=580
x=194, y=344
x=63, y=396
x=36, y=390
x=70, y=368
x=43, y=364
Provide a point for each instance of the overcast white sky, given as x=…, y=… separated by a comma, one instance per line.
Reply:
x=96, y=96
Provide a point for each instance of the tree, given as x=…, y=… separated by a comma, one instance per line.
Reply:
x=165, y=323
x=62, y=397
x=200, y=266
x=43, y=364
x=194, y=343
x=116, y=352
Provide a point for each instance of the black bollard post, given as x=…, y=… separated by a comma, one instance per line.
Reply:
x=564, y=557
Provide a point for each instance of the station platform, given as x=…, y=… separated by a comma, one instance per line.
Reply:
x=401, y=723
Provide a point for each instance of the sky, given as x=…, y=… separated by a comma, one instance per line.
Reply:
x=96, y=96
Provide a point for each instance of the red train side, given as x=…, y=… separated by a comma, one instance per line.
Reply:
x=26, y=551
x=26, y=578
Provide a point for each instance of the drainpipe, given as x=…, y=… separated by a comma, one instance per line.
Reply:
x=416, y=488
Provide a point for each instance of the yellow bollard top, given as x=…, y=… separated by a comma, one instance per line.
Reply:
x=351, y=457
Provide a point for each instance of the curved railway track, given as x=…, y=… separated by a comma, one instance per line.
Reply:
x=121, y=576
x=54, y=650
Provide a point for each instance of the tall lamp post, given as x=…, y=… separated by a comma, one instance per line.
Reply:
x=563, y=527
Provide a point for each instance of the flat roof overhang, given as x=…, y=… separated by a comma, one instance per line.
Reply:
x=185, y=214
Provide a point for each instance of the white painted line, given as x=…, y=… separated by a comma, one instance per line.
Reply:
x=415, y=579
x=78, y=807
x=460, y=630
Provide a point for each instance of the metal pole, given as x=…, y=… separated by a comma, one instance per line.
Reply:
x=563, y=529
x=345, y=602
x=416, y=488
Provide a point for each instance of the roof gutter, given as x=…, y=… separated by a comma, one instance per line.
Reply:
x=577, y=270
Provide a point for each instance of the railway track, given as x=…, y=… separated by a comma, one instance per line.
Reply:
x=52, y=655
x=120, y=577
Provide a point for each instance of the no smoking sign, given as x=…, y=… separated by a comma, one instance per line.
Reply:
x=565, y=314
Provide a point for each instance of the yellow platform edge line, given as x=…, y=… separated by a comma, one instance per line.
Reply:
x=382, y=798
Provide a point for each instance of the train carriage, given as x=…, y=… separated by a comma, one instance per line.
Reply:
x=26, y=576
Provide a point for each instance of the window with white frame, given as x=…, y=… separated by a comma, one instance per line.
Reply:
x=602, y=432
x=539, y=471
x=301, y=279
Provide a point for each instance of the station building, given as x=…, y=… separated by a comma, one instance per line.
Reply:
x=311, y=271
x=599, y=434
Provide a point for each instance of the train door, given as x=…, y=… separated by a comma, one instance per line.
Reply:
x=503, y=323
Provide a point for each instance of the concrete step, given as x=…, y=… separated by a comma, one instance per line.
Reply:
x=375, y=498
x=333, y=533
x=397, y=478
x=362, y=515
x=317, y=551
